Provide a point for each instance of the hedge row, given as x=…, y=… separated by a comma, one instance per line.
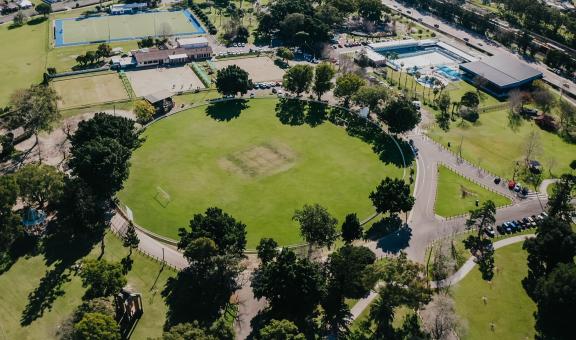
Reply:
x=200, y=14
x=206, y=80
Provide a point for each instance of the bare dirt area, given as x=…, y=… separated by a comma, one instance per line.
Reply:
x=173, y=79
x=260, y=69
x=260, y=160
x=53, y=147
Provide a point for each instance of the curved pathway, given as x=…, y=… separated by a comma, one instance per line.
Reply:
x=466, y=268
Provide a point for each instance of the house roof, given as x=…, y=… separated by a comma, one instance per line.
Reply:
x=192, y=41
x=158, y=96
x=502, y=70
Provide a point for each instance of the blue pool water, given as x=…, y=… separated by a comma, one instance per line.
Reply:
x=449, y=73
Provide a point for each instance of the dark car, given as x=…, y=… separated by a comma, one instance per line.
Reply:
x=497, y=180
x=490, y=232
x=513, y=227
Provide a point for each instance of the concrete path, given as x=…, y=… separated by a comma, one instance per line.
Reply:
x=362, y=304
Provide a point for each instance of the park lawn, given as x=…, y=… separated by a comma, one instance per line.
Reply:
x=399, y=314
x=201, y=162
x=91, y=89
x=492, y=144
x=449, y=194
x=24, y=276
x=125, y=105
x=508, y=306
x=23, y=57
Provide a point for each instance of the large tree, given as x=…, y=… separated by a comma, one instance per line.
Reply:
x=102, y=278
x=293, y=287
x=130, y=238
x=443, y=118
x=323, y=74
x=400, y=116
x=371, y=97
x=97, y=326
x=218, y=330
x=480, y=244
x=39, y=184
x=44, y=9
x=103, y=163
x=555, y=298
x=560, y=202
x=370, y=10
x=317, y=226
x=80, y=213
x=228, y=234
x=232, y=80
x=10, y=226
x=402, y=283
x=298, y=78
x=280, y=330
x=267, y=250
x=347, y=85
x=392, y=196
x=35, y=109
x=351, y=229
x=144, y=111
x=555, y=243
x=103, y=125
x=347, y=269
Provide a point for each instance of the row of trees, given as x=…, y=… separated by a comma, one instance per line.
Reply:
x=300, y=23
x=91, y=57
x=551, y=265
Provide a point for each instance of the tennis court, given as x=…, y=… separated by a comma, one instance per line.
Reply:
x=97, y=29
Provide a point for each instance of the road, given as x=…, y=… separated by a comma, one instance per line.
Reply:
x=479, y=41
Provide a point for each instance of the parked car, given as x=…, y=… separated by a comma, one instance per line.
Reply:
x=466, y=39
x=497, y=180
x=490, y=232
x=436, y=25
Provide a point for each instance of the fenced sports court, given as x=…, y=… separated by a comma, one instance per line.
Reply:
x=108, y=28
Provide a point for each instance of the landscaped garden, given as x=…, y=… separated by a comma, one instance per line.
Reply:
x=243, y=159
x=500, y=308
x=23, y=281
x=457, y=195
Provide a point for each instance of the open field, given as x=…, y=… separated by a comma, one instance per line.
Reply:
x=23, y=56
x=493, y=144
x=260, y=69
x=457, y=195
x=507, y=304
x=173, y=79
x=277, y=168
x=24, y=277
x=84, y=30
x=90, y=89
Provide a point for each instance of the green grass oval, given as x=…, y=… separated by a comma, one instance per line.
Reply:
x=253, y=167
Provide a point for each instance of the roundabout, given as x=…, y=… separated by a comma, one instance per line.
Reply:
x=258, y=160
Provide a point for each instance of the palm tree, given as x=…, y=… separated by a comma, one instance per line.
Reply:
x=417, y=76
x=400, y=75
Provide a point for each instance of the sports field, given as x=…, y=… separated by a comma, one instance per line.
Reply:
x=457, y=195
x=248, y=163
x=87, y=90
x=86, y=30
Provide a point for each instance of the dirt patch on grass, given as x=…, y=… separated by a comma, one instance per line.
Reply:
x=259, y=160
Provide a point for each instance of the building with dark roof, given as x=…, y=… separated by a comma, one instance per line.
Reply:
x=499, y=74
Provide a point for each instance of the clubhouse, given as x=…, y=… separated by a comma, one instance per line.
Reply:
x=188, y=49
x=499, y=74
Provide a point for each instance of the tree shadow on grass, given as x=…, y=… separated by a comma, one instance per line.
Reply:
x=42, y=298
x=225, y=111
x=316, y=114
x=383, y=227
x=291, y=111
x=61, y=252
x=396, y=241
x=37, y=20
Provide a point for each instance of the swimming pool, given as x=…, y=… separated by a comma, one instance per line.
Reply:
x=449, y=73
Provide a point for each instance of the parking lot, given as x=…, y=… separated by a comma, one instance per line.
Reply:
x=260, y=69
